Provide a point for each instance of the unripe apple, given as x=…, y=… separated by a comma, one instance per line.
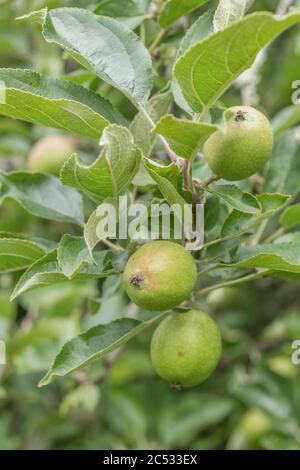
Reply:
x=241, y=146
x=50, y=153
x=255, y=424
x=186, y=348
x=160, y=275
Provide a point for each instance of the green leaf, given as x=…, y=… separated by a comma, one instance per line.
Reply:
x=229, y=11
x=104, y=46
x=199, y=30
x=42, y=195
x=140, y=127
x=184, y=137
x=142, y=179
x=239, y=222
x=172, y=10
x=291, y=237
x=17, y=254
x=38, y=16
x=286, y=118
x=212, y=212
x=208, y=68
x=93, y=345
x=112, y=172
x=291, y=216
x=72, y=255
x=43, y=243
x=179, y=98
x=131, y=13
x=168, y=179
x=283, y=170
x=47, y=271
x=235, y=197
x=55, y=103
x=120, y=8
x=90, y=231
x=91, y=237
x=272, y=202
x=274, y=257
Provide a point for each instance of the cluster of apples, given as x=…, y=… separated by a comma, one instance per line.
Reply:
x=186, y=347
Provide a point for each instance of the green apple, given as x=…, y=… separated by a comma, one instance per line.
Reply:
x=186, y=348
x=160, y=275
x=50, y=153
x=241, y=146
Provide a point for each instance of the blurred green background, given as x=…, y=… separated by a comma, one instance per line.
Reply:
x=251, y=401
